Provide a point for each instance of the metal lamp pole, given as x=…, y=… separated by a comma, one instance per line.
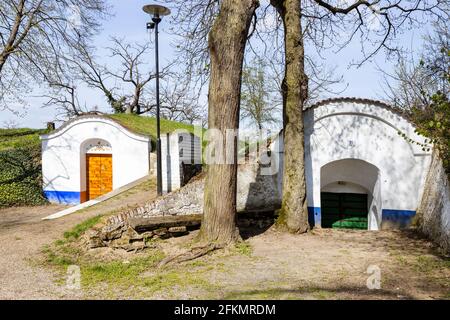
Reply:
x=157, y=11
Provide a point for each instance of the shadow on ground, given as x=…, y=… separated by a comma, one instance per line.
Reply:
x=317, y=292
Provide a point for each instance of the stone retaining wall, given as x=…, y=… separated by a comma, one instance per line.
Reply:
x=138, y=232
x=433, y=214
x=255, y=192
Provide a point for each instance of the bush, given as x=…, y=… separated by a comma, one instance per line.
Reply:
x=433, y=121
x=20, y=176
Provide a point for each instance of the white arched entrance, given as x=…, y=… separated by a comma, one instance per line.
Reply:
x=96, y=165
x=350, y=195
x=386, y=157
x=65, y=152
x=364, y=147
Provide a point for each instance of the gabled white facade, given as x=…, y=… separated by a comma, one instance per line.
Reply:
x=64, y=156
x=357, y=146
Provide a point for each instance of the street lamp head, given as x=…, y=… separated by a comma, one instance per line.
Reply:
x=156, y=10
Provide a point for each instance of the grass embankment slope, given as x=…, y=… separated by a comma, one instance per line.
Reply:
x=20, y=170
x=147, y=125
x=19, y=138
x=24, y=137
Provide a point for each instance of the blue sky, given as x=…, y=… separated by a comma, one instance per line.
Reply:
x=129, y=22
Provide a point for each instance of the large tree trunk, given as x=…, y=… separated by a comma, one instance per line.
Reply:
x=227, y=40
x=294, y=210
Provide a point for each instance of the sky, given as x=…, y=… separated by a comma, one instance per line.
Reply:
x=129, y=22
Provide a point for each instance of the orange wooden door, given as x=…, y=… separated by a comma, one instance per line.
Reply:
x=98, y=175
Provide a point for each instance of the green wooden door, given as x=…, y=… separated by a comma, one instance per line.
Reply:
x=344, y=210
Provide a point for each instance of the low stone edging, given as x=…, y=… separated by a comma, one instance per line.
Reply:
x=256, y=193
x=136, y=234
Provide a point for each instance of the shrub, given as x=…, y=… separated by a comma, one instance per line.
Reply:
x=433, y=121
x=20, y=176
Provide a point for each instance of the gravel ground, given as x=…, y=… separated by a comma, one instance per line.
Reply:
x=23, y=234
x=323, y=264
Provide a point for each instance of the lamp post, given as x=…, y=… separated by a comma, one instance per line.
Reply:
x=157, y=11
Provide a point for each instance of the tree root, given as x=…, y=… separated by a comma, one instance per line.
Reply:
x=192, y=254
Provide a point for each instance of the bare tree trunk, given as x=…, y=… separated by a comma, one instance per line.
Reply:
x=227, y=40
x=294, y=210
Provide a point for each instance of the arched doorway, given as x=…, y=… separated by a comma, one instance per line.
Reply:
x=350, y=196
x=98, y=164
x=344, y=205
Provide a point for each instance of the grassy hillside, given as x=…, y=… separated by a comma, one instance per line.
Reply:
x=20, y=169
x=24, y=137
x=147, y=125
x=19, y=138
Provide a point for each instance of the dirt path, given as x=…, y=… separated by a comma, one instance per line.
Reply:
x=23, y=234
x=333, y=264
x=324, y=264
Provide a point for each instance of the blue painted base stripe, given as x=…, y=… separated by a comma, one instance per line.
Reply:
x=314, y=216
x=62, y=197
x=399, y=218
x=395, y=218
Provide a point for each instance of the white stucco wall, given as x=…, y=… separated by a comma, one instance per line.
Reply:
x=346, y=129
x=177, y=148
x=170, y=164
x=63, y=153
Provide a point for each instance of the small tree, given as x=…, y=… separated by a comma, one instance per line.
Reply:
x=416, y=79
x=124, y=87
x=258, y=99
x=421, y=90
x=433, y=121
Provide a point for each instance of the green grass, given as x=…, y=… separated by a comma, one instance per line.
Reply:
x=79, y=229
x=19, y=138
x=16, y=138
x=63, y=255
x=147, y=125
x=427, y=264
x=141, y=278
x=118, y=272
x=244, y=248
x=136, y=277
x=64, y=252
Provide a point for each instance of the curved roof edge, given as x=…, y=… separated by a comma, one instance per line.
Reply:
x=377, y=103
x=69, y=122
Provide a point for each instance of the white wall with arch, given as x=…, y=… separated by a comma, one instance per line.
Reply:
x=64, y=155
x=354, y=176
x=360, y=141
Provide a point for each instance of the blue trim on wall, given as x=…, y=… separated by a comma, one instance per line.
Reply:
x=397, y=218
x=63, y=197
x=391, y=217
x=314, y=216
